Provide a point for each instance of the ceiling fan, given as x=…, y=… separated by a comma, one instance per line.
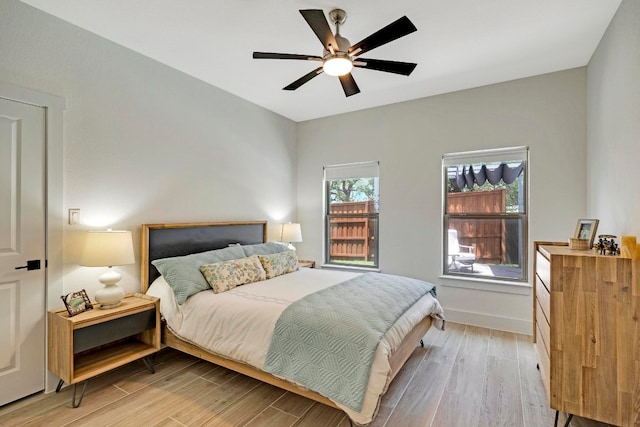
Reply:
x=339, y=56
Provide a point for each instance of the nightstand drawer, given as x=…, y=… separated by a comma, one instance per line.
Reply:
x=113, y=330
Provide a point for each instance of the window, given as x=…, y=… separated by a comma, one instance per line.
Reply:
x=352, y=200
x=485, y=214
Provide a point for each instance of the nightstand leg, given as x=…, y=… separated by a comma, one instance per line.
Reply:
x=60, y=384
x=73, y=399
x=148, y=364
x=421, y=343
x=566, y=424
x=568, y=420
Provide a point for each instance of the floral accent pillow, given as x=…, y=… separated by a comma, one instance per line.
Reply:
x=224, y=276
x=280, y=263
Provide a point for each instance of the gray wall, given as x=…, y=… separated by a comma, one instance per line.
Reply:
x=546, y=113
x=614, y=125
x=146, y=143
x=143, y=142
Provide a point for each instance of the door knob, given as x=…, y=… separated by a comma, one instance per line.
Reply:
x=33, y=264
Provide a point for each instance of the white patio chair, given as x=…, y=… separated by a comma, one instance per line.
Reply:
x=459, y=254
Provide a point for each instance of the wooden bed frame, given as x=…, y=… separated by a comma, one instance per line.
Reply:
x=166, y=240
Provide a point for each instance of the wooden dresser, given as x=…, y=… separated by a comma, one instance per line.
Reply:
x=586, y=332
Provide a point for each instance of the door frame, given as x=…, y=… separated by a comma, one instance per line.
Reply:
x=54, y=217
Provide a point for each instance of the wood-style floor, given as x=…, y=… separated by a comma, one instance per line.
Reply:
x=464, y=377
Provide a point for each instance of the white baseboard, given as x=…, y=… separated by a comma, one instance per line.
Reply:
x=519, y=326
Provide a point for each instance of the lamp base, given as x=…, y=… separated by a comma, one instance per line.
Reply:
x=111, y=295
x=108, y=306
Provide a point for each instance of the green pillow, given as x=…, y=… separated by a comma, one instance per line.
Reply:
x=265, y=248
x=183, y=273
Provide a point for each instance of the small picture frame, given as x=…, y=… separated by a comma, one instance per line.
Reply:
x=77, y=302
x=586, y=229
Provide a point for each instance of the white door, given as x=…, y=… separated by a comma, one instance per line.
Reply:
x=22, y=243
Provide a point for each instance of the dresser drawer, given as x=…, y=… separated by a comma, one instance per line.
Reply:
x=543, y=330
x=544, y=299
x=544, y=364
x=543, y=270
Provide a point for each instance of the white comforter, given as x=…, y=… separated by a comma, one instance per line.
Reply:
x=239, y=323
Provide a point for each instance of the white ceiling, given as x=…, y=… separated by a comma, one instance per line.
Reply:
x=459, y=43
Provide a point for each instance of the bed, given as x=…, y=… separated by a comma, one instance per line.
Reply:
x=248, y=348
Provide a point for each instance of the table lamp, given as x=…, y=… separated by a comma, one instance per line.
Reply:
x=106, y=249
x=291, y=233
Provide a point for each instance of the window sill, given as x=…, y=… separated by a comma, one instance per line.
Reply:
x=350, y=268
x=491, y=285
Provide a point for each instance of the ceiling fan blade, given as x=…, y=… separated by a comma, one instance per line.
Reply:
x=270, y=55
x=404, y=68
x=302, y=80
x=349, y=85
x=391, y=32
x=318, y=23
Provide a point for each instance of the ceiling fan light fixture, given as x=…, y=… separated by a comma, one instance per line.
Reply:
x=339, y=56
x=337, y=65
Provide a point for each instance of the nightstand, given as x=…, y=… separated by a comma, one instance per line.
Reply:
x=305, y=263
x=96, y=341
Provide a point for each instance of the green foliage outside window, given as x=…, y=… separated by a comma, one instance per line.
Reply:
x=352, y=190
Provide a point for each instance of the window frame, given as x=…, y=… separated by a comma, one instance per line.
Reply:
x=349, y=172
x=488, y=156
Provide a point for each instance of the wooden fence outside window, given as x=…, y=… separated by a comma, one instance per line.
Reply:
x=351, y=237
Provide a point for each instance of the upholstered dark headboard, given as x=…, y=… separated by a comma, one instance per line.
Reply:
x=169, y=240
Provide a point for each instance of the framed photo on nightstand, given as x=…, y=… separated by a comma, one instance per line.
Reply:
x=77, y=302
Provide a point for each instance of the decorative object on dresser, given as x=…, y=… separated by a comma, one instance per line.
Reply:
x=579, y=244
x=291, y=233
x=587, y=333
x=96, y=341
x=607, y=245
x=107, y=249
x=585, y=230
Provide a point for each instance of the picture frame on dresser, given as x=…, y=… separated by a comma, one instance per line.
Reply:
x=586, y=229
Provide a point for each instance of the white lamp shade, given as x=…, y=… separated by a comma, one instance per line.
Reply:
x=291, y=233
x=107, y=248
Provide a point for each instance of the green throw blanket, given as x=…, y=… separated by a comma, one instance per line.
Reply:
x=327, y=340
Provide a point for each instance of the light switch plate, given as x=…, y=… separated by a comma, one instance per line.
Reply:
x=74, y=216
